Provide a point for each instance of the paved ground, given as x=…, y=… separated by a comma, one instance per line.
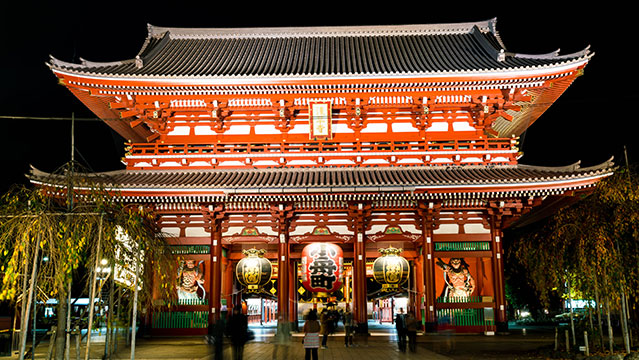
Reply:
x=381, y=345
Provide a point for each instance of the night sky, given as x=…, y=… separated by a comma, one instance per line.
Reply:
x=591, y=122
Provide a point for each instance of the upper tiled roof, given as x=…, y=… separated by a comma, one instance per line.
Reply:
x=335, y=180
x=320, y=51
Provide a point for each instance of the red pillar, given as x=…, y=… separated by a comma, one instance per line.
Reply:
x=501, y=319
x=418, y=271
x=360, y=313
x=282, y=277
x=292, y=293
x=215, y=261
x=428, y=263
x=227, y=281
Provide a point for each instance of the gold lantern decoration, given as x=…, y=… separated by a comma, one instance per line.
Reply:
x=253, y=271
x=391, y=270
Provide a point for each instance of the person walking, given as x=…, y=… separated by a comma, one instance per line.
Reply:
x=281, y=339
x=400, y=325
x=325, y=327
x=237, y=330
x=411, y=330
x=348, y=327
x=311, y=335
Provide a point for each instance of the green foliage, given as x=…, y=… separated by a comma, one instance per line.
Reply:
x=591, y=244
x=66, y=227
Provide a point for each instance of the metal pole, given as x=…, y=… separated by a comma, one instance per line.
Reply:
x=25, y=282
x=624, y=322
x=32, y=284
x=93, y=285
x=68, y=327
x=35, y=318
x=135, y=300
x=72, y=136
x=110, y=323
x=586, y=343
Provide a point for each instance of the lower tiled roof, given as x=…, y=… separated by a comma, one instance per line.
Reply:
x=305, y=180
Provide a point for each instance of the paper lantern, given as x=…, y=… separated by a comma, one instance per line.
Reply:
x=391, y=270
x=322, y=266
x=253, y=271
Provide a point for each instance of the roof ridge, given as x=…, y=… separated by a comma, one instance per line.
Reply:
x=554, y=55
x=576, y=166
x=315, y=31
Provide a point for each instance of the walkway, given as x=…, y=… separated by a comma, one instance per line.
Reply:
x=381, y=346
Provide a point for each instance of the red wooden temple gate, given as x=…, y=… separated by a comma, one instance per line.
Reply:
x=364, y=137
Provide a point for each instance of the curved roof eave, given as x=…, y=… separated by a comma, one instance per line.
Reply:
x=247, y=79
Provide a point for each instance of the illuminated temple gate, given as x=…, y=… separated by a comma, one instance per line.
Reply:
x=364, y=137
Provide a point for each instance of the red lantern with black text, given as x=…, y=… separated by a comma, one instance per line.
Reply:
x=322, y=266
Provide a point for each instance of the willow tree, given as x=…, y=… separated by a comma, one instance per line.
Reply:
x=590, y=245
x=74, y=221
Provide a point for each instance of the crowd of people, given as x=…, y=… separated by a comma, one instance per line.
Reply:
x=317, y=329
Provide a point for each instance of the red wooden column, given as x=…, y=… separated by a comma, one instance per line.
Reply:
x=292, y=293
x=428, y=212
x=418, y=277
x=227, y=281
x=501, y=318
x=358, y=214
x=282, y=213
x=215, y=214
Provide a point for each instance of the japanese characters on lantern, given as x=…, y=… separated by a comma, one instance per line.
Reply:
x=253, y=271
x=322, y=266
x=391, y=270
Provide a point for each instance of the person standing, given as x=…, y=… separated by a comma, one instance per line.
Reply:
x=411, y=330
x=400, y=325
x=237, y=330
x=311, y=335
x=348, y=327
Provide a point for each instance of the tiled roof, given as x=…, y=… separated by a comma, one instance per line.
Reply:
x=320, y=51
x=302, y=180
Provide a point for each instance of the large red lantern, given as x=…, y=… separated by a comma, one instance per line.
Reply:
x=322, y=265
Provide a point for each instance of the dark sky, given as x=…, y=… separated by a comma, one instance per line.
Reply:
x=591, y=122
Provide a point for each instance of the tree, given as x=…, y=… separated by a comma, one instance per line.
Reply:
x=590, y=245
x=73, y=220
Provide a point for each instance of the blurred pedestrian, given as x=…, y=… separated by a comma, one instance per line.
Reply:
x=347, y=319
x=311, y=335
x=281, y=340
x=411, y=330
x=325, y=322
x=237, y=330
x=400, y=325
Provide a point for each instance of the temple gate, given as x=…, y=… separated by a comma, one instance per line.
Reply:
x=363, y=137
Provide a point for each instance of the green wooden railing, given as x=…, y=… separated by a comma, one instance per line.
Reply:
x=462, y=246
x=463, y=317
x=190, y=249
x=193, y=302
x=181, y=302
x=459, y=299
x=180, y=320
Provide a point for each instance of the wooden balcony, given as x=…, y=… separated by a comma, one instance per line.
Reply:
x=321, y=154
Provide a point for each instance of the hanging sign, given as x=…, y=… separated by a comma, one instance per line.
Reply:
x=322, y=266
x=253, y=271
x=320, y=120
x=391, y=270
